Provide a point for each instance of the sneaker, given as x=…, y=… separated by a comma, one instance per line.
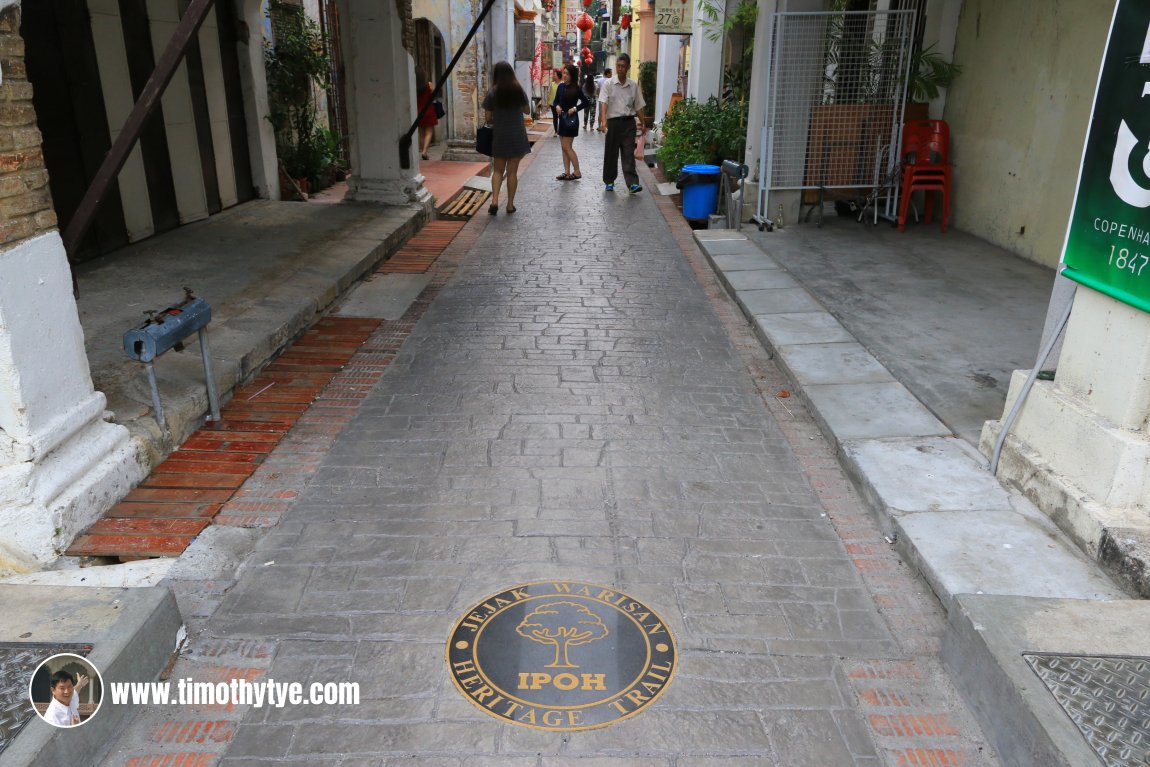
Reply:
x=610, y=188
x=636, y=188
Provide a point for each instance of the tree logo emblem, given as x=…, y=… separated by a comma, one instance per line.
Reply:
x=561, y=655
x=565, y=625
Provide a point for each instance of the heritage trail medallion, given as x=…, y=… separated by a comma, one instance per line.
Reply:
x=561, y=655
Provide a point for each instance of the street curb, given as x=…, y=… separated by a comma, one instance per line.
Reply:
x=133, y=634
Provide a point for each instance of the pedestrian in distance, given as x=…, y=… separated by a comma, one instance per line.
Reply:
x=619, y=104
x=569, y=99
x=591, y=91
x=504, y=107
x=429, y=119
x=599, y=80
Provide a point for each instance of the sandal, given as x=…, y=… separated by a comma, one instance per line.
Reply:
x=510, y=209
x=573, y=177
x=563, y=177
x=492, y=209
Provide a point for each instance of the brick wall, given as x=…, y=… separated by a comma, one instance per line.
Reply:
x=25, y=201
x=404, y=8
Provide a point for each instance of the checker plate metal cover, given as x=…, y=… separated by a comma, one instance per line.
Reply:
x=17, y=662
x=1107, y=698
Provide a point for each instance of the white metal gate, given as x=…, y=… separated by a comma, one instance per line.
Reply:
x=837, y=89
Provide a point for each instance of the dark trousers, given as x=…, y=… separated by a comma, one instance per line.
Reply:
x=620, y=141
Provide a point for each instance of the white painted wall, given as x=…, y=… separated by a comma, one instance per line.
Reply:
x=705, y=76
x=1018, y=116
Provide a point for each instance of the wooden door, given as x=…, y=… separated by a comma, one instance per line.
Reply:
x=61, y=61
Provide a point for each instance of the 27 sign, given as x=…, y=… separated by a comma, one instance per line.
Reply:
x=1108, y=241
x=674, y=17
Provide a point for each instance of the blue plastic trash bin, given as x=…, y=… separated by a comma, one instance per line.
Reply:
x=700, y=185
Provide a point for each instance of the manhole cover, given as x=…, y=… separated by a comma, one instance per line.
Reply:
x=17, y=662
x=1107, y=698
x=561, y=655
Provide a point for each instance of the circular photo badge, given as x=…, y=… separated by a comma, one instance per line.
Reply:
x=561, y=655
x=66, y=690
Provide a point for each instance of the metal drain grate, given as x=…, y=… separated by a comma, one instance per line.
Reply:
x=17, y=662
x=1107, y=698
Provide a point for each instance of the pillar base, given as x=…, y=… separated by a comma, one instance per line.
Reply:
x=1084, y=473
x=459, y=150
x=51, y=501
x=398, y=191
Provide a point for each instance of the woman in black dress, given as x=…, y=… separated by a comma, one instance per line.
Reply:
x=569, y=99
x=504, y=107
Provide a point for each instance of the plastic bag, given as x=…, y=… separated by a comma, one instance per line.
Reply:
x=641, y=147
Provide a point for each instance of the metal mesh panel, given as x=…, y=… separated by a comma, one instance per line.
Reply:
x=835, y=105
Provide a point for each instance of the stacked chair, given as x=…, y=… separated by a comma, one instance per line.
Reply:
x=925, y=167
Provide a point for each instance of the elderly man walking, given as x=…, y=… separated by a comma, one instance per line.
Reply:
x=619, y=104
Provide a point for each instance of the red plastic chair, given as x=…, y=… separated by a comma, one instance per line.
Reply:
x=925, y=167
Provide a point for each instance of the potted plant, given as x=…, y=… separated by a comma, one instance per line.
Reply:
x=929, y=74
x=648, y=70
x=297, y=64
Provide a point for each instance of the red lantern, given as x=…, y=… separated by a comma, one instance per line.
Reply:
x=625, y=21
x=587, y=36
x=586, y=3
x=588, y=61
x=586, y=52
x=585, y=23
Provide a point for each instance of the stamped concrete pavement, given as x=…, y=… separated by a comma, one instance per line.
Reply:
x=581, y=402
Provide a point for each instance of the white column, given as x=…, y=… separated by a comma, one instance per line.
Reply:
x=381, y=104
x=760, y=78
x=705, y=77
x=501, y=22
x=61, y=464
x=666, y=75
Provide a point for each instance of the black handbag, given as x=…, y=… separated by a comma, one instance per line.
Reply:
x=437, y=105
x=569, y=122
x=484, y=135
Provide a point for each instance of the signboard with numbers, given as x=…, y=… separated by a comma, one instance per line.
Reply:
x=674, y=17
x=1108, y=240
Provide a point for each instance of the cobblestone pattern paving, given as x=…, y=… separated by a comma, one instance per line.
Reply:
x=582, y=402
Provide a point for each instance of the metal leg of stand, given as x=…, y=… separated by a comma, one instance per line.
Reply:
x=213, y=397
x=157, y=407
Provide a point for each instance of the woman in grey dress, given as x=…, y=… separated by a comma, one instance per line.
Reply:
x=504, y=107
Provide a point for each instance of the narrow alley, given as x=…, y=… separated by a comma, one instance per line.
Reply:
x=580, y=404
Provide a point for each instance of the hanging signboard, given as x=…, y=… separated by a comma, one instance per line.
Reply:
x=674, y=17
x=524, y=40
x=569, y=11
x=1108, y=240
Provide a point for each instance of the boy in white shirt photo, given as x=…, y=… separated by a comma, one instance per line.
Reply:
x=64, y=708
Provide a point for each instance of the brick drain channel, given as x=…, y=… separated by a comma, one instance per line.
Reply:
x=332, y=366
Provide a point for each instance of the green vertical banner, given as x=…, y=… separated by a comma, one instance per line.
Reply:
x=1108, y=241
